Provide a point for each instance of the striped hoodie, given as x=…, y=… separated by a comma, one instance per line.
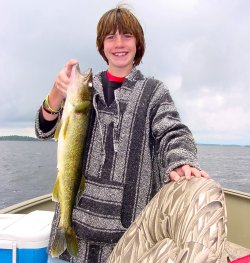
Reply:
x=131, y=148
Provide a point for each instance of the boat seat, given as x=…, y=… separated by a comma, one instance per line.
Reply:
x=184, y=222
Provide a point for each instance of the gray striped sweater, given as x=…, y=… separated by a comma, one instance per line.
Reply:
x=131, y=148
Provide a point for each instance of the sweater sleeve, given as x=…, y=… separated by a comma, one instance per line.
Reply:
x=175, y=145
x=45, y=129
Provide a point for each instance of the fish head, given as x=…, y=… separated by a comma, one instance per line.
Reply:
x=81, y=84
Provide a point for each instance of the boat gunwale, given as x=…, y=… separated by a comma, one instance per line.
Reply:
x=44, y=202
x=47, y=197
x=19, y=207
x=236, y=193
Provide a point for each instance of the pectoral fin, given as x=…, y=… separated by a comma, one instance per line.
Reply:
x=62, y=127
x=81, y=188
x=65, y=127
x=56, y=191
x=82, y=107
x=82, y=184
x=58, y=130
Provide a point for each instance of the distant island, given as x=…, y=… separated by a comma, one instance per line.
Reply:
x=17, y=138
x=29, y=138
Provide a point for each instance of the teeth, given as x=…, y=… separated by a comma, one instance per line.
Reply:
x=120, y=54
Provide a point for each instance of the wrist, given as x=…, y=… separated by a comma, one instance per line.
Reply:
x=56, y=97
x=51, y=108
x=47, y=114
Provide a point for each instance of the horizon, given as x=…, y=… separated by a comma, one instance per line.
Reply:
x=197, y=143
x=199, y=49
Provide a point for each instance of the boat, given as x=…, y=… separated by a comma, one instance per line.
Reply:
x=238, y=214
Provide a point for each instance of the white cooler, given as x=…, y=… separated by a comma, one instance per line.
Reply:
x=24, y=238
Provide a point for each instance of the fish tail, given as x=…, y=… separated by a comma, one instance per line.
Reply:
x=59, y=244
x=64, y=239
x=71, y=240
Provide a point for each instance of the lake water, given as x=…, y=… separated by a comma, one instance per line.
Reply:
x=28, y=169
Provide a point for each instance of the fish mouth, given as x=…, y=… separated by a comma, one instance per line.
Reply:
x=88, y=77
x=87, y=74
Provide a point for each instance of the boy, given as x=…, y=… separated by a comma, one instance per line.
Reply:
x=135, y=143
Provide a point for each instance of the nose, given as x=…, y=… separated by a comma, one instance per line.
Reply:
x=119, y=41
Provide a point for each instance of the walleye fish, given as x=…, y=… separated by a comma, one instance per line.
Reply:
x=71, y=135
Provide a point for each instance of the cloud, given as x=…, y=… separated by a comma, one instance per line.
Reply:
x=199, y=48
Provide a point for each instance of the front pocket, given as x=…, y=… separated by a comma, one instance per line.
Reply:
x=97, y=215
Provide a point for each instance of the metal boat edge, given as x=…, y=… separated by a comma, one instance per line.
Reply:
x=238, y=212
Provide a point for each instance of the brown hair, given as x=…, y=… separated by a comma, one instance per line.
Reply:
x=121, y=19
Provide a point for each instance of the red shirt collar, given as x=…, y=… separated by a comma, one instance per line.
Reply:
x=111, y=77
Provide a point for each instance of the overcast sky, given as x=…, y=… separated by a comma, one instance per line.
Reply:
x=199, y=48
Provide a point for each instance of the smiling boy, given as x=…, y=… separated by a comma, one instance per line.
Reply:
x=136, y=140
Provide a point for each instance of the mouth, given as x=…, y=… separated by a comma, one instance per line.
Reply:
x=120, y=54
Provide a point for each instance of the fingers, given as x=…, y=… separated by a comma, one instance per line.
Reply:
x=69, y=65
x=195, y=172
x=63, y=78
x=188, y=172
x=199, y=173
x=205, y=174
x=174, y=176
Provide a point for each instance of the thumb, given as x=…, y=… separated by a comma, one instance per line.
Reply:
x=69, y=65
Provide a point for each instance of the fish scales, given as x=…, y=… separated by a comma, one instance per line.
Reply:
x=71, y=134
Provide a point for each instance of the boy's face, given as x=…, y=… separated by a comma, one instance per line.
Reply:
x=120, y=50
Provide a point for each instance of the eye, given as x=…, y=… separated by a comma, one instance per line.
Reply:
x=110, y=37
x=128, y=35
